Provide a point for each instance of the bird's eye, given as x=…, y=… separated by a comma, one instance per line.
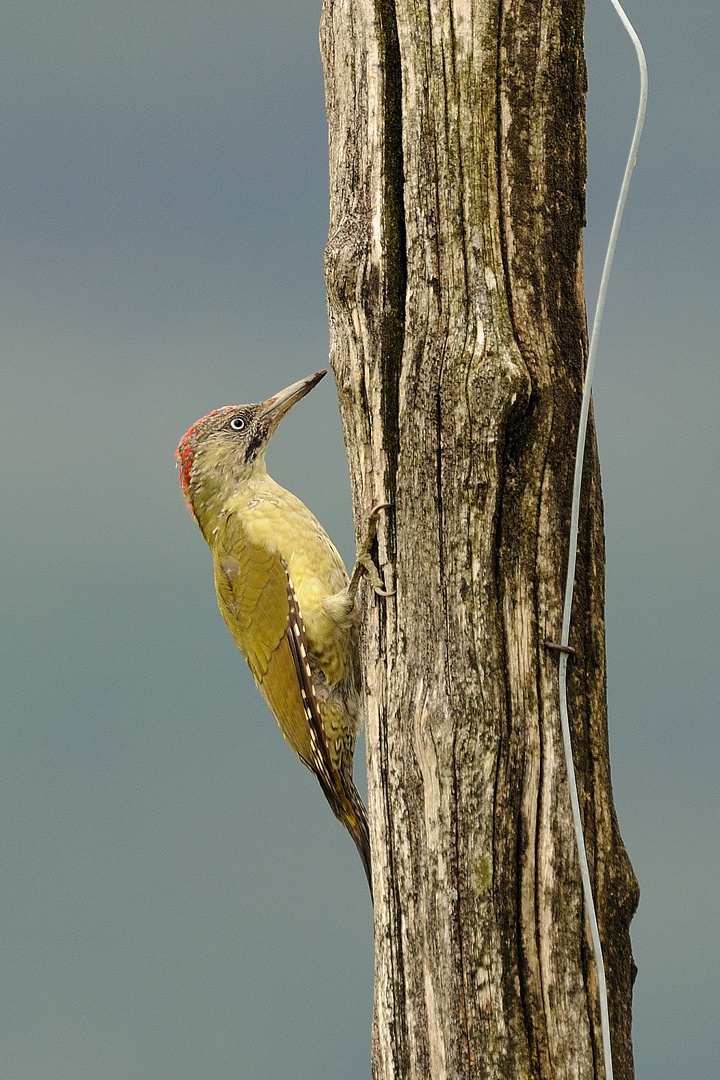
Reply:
x=237, y=423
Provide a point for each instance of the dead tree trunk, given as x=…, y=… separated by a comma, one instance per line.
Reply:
x=458, y=340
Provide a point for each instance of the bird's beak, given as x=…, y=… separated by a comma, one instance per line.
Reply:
x=273, y=410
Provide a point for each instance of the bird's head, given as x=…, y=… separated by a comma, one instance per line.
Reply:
x=227, y=447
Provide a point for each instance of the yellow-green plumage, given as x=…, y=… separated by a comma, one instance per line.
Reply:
x=282, y=589
x=260, y=543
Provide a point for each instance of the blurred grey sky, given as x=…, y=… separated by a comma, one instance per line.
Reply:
x=177, y=902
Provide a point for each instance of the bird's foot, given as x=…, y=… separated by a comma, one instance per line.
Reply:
x=364, y=563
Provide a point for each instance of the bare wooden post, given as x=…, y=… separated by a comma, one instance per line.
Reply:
x=454, y=278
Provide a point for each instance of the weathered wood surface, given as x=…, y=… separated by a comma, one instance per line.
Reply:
x=454, y=278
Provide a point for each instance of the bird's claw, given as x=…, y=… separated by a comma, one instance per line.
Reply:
x=364, y=563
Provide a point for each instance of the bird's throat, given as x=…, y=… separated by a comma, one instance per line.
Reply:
x=215, y=481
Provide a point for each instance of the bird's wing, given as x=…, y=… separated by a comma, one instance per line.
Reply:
x=251, y=587
x=258, y=602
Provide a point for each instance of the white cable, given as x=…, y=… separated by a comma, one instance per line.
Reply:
x=572, y=554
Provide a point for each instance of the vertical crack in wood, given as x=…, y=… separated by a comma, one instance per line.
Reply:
x=498, y=157
x=394, y=240
x=392, y=342
x=468, y=1055
x=399, y=1029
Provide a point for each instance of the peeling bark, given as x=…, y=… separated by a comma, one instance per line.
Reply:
x=458, y=341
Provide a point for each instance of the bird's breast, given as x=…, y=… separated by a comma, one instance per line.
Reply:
x=279, y=522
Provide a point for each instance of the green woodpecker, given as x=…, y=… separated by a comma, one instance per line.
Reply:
x=284, y=593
